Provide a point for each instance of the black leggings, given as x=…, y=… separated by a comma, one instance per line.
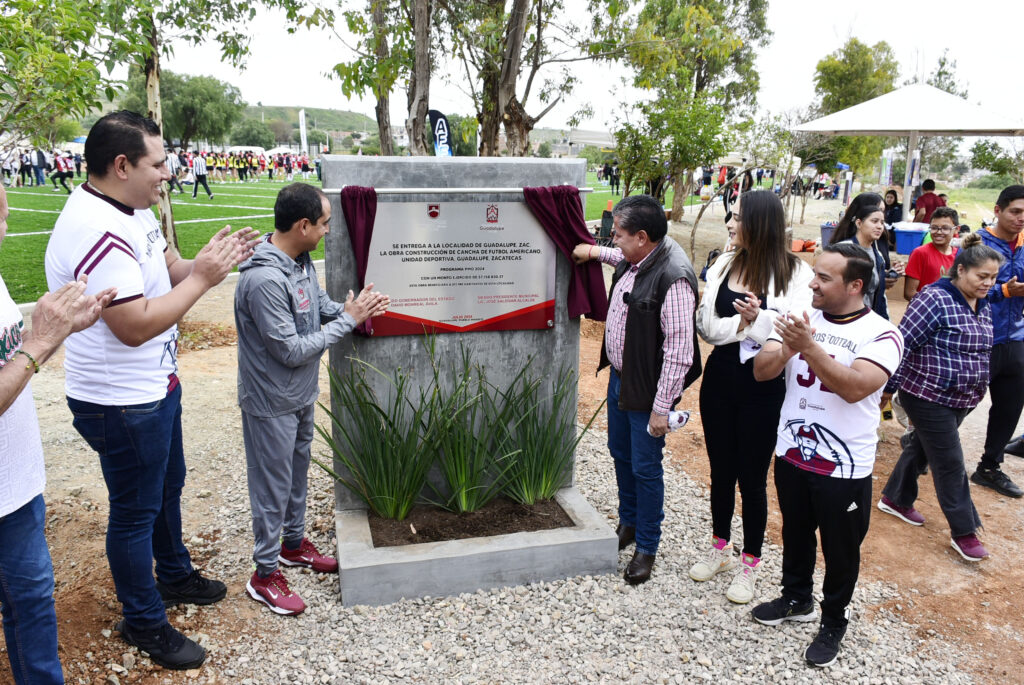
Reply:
x=741, y=420
x=1007, y=377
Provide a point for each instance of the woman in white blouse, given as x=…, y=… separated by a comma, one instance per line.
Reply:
x=747, y=288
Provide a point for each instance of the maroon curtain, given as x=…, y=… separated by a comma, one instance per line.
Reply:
x=560, y=212
x=359, y=205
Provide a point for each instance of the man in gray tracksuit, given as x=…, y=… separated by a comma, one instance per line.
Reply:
x=285, y=322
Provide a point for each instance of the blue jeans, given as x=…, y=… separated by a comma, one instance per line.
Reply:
x=143, y=465
x=26, y=595
x=638, y=470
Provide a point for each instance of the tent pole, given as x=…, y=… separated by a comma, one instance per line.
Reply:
x=907, y=189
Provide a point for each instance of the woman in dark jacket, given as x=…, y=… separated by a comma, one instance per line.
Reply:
x=863, y=224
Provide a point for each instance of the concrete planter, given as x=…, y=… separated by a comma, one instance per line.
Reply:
x=380, y=576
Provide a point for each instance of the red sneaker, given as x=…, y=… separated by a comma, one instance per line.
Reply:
x=307, y=555
x=275, y=593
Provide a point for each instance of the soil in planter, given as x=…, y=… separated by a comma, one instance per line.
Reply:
x=500, y=516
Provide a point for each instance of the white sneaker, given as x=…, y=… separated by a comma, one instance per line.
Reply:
x=716, y=561
x=741, y=590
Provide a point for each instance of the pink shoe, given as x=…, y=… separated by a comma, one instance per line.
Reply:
x=908, y=514
x=275, y=593
x=307, y=555
x=969, y=547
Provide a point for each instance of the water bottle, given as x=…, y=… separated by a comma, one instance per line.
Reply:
x=676, y=419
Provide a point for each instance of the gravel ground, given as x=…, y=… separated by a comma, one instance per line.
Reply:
x=670, y=630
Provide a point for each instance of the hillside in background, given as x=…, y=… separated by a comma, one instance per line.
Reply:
x=323, y=119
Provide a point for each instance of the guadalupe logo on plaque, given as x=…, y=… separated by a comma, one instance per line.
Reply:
x=492, y=214
x=434, y=211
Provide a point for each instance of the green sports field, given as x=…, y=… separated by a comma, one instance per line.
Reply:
x=34, y=211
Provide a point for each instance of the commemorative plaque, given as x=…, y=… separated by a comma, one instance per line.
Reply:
x=461, y=266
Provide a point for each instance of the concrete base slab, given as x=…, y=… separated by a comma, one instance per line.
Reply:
x=383, y=575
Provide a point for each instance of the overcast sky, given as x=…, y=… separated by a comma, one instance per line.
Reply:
x=983, y=37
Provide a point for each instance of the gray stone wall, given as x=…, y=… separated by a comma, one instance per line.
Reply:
x=503, y=352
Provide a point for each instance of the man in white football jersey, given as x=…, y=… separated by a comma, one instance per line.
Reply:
x=837, y=361
x=121, y=375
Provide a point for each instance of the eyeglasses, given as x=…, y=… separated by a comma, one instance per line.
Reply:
x=940, y=229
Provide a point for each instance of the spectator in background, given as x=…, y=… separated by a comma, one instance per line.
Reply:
x=893, y=207
x=863, y=225
x=39, y=164
x=1007, y=365
x=927, y=203
x=25, y=170
x=174, y=167
x=893, y=215
x=931, y=261
x=78, y=165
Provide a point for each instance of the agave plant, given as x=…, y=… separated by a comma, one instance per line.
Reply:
x=471, y=461
x=544, y=433
x=388, y=448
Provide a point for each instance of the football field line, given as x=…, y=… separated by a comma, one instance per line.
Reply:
x=227, y=219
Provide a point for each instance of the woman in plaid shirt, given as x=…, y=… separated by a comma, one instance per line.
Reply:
x=947, y=332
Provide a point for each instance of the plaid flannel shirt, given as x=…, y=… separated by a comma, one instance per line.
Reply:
x=947, y=348
x=676, y=323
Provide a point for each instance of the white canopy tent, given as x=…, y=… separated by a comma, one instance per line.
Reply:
x=916, y=110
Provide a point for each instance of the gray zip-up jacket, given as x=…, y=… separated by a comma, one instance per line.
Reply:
x=285, y=322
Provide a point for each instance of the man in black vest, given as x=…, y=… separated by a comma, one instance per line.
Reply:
x=650, y=343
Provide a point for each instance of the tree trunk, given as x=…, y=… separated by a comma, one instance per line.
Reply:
x=680, y=191
x=387, y=144
x=518, y=125
x=152, y=67
x=489, y=116
x=419, y=81
x=499, y=76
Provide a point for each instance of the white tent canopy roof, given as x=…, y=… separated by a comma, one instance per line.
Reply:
x=917, y=108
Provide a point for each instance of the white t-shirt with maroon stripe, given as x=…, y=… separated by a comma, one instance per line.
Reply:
x=124, y=248
x=819, y=431
x=22, y=475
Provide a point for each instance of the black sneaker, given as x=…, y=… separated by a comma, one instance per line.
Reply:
x=165, y=646
x=1016, y=447
x=997, y=480
x=778, y=610
x=193, y=590
x=825, y=648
